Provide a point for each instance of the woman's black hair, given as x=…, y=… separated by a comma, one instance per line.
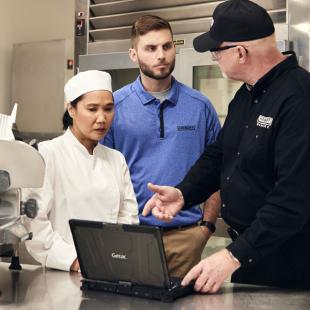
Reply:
x=67, y=121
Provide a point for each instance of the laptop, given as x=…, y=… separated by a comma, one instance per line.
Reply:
x=124, y=259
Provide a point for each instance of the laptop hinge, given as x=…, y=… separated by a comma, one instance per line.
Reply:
x=125, y=284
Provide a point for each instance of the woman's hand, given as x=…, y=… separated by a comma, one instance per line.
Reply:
x=75, y=265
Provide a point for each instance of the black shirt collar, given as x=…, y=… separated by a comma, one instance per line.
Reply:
x=264, y=82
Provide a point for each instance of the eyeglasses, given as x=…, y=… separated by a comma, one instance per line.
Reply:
x=216, y=51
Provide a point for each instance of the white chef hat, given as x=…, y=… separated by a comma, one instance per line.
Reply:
x=85, y=82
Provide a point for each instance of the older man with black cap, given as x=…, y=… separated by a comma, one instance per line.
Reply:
x=260, y=161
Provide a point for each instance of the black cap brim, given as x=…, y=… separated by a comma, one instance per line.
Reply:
x=204, y=43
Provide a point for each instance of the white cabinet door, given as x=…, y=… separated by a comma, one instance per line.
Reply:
x=38, y=78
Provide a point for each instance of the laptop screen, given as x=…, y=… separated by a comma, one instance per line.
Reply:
x=119, y=252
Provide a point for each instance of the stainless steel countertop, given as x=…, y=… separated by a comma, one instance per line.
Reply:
x=36, y=289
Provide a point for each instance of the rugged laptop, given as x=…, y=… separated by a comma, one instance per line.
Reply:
x=124, y=259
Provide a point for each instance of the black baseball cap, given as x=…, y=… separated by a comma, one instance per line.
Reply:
x=235, y=21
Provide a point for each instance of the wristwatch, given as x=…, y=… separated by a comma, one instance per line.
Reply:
x=208, y=224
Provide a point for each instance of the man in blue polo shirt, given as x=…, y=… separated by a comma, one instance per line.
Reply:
x=162, y=127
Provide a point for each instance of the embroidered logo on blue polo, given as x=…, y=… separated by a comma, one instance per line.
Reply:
x=264, y=121
x=186, y=128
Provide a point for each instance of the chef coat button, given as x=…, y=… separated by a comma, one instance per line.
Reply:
x=223, y=205
x=246, y=126
x=238, y=153
x=250, y=260
x=256, y=101
x=227, y=178
x=256, y=136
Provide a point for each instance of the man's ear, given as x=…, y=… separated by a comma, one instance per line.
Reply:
x=133, y=55
x=243, y=54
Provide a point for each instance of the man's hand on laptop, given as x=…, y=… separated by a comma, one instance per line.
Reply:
x=165, y=203
x=212, y=271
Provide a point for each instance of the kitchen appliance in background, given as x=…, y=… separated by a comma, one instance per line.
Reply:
x=21, y=166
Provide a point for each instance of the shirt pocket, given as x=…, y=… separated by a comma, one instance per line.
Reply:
x=258, y=150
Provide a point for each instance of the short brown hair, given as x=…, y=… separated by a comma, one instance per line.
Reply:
x=147, y=23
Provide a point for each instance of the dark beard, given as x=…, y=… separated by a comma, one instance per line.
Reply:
x=149, y=73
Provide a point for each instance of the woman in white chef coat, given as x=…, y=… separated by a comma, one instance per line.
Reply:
x=83, y=179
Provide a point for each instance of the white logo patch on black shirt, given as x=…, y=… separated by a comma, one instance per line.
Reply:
x=264, y=121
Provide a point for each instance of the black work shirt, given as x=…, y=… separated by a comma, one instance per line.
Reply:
x=261, y=163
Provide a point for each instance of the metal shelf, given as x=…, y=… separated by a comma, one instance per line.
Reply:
x=178, y=27
x=171, y=14
x=109, y=21
x=118, y=7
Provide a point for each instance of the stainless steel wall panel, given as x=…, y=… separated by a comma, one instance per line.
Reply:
x=278, y=16
x=105, y=1
x=115, y=33
x=123, y=45
x=177, y=12
x=99, y=47
x=110, y=20
x=107, y=61
x=299, y=30
x=178, y=27
x=171, y=14
x=118, y=7
x=80, y=42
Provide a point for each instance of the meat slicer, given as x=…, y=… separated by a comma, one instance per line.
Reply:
x=21, y=166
